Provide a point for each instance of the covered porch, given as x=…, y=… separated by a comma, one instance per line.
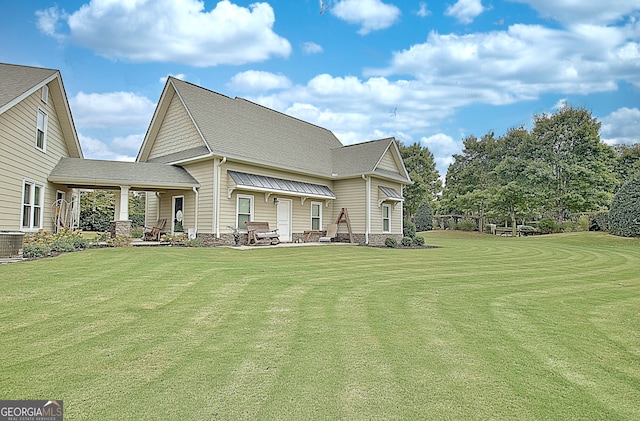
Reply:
x=122, y=177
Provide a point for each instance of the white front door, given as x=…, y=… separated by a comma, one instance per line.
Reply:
x=283, y=211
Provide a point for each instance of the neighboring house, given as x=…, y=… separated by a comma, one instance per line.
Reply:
x=252, y=163
x=36, y=131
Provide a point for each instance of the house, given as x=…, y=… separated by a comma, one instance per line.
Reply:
x=208, y=164
x=252, y=163
x=36, y=131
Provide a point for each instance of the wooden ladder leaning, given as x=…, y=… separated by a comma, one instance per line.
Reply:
x=344, y=217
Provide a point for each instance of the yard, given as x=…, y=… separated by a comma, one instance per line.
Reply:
x=483, y=327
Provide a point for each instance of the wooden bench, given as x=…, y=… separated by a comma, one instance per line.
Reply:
x=259, y=232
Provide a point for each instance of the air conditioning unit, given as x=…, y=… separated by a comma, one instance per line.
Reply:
x=11, y=244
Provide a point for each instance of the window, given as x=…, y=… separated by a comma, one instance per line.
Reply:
x=41, y=132
x=244, y=210
x=45, y=94
x=386, y=218
x=32, y=198
x=316, y=215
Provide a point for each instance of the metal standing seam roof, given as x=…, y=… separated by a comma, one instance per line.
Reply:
x=391, y=193
x=272, y=184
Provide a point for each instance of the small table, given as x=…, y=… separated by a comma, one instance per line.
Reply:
x=309, y=232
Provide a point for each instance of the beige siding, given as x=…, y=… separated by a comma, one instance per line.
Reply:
x=351, y=194
x=266, y=210
x=388, y=162
x=151, y=209
x=376, y=210
x=203, y=173
x=177, y=132
x=20, y=159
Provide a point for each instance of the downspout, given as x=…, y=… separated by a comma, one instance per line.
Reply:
x=195, y=191
x=157, y=205
x=216, y=211
x=368, y=209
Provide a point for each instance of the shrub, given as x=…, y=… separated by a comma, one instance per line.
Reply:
x=467, y=225
x=409, y=229
x=547, y=226
x=62, y=245
x=424, y=217
x=418, y=241
x=583, y=223
x=390, y=242
x=599, y=221
x=35, y=249
x=137, y=232
x=406, y=241
x=624, y=213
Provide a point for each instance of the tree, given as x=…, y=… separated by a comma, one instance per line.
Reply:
x=627, y=162
x=574, y=165
x=426, y=185
x=424, y=217
x=97, y=210
x=624, y=215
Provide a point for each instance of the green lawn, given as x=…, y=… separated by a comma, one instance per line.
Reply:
x=482, y=328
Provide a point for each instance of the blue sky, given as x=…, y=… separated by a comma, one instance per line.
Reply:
x=428, y=72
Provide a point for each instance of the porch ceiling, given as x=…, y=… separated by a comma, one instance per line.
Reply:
x=91, y=173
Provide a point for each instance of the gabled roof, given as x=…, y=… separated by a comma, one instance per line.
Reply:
x=93, y=173
x=18, y=82
x=364, y=158
x=242, y=130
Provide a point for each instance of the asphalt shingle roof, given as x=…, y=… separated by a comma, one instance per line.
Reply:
x=17, y=80
x=142, y=175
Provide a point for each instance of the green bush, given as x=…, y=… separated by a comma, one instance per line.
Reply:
x=406, y=241
x=547, y=226
x=424, y=217
x=599, y=221
x=137, y=232
x=35, y=249
x=418, y=241
x=624, y=213
x=390, y=242
x=409, y=229
x=467, y=225
x=62, y=245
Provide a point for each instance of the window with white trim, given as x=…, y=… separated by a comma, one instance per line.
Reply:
x=244, y=210
x=45, y=94
x=41, y=130
x=386, y=218
x=316, y=215
x=32, y=198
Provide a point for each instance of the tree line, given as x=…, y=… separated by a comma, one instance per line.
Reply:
x=559, y=169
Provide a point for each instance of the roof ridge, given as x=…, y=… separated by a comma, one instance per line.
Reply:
x=286, y=115
x=390, y=138
x=31, y=67
x=198, y=86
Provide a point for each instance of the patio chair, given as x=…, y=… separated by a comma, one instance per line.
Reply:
x=153, y=233
x=332, y=233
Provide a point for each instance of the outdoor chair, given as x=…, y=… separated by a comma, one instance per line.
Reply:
x=332, y=232
x=153, y=233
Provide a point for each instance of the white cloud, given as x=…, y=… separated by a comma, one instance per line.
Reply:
x=371, y=15
x=423, y=11
x=180, y=76
x=502, y=67
x=621, y=126
x=311, y=48
x=572, y=11
x=122, y=110
x=128, y=145
x=465, y=10
x=48, y=21
x=96, y=149
x=171, y=31
x=258, y=81
x=442, y=146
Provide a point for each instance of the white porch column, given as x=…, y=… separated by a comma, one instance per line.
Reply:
x=122, y=209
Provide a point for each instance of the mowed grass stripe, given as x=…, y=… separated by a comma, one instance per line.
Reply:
x=481, y=328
